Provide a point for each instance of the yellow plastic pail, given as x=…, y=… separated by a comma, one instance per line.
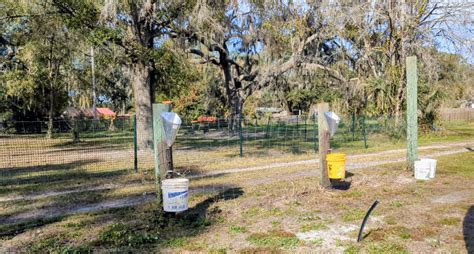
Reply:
x=336, y=165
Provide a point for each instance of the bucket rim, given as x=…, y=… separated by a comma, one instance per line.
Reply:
x=336, y=155
x=174, y=181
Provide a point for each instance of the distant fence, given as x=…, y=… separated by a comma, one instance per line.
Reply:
x=456, y=114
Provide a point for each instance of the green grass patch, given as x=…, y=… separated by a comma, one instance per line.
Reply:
x=178, y=242
x=119, y=234
x=375, y=248
x=451, y=221
x=56, y=245
x=385, y=247
x=353, y=194
x=396, y=203
x=314, y=226
x=274, y=239
x=238, y=229
x=252, y=212
x=353, y=215
x=458, y=164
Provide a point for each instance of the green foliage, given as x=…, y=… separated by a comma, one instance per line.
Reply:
x=174, y=75
x=119, y=234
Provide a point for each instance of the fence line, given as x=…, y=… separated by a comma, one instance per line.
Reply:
x=456, y=114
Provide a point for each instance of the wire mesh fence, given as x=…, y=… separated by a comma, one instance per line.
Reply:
x=96, y=159
x=97, y=144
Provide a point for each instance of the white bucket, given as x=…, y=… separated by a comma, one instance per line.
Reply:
x=432, y=167
x=422, y=170
x=175, y=194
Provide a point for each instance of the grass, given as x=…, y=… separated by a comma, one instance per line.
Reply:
x=459, y=165
x=353, y=215
x=238, y=229
x=376, y=247
x=274, y=239
x=451, y=221
x=313, y=226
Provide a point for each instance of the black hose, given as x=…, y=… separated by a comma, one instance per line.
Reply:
x=359, y=238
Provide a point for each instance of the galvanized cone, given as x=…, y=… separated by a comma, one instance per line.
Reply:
x=171, y=124
x=333, y=121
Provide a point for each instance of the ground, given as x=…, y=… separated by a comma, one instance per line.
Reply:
x=252, y=205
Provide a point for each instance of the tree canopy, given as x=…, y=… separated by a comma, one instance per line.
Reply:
x=211, y=57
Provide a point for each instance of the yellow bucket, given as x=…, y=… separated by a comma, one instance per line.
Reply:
x=336, y=165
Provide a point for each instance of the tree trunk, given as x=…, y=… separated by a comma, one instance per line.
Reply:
x=234, y=94
x=49, y=134
x=143, y=102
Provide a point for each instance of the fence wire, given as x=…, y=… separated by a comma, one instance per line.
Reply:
x=94, y=160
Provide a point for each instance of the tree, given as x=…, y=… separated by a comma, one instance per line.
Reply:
x=41, y=58
x=136, y=27
x=371, y=39
x=250, y=41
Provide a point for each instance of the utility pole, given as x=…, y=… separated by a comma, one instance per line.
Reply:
x=93, y=83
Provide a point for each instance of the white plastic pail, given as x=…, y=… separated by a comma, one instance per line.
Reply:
x=432, y=167
x=175, y=194
x=422, y=170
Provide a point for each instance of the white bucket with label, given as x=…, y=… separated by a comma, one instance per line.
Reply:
x=422, y=170
x=175, y=194
x=432, y=167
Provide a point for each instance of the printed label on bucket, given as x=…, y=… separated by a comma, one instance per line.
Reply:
x=176, y=194
x=175, y=201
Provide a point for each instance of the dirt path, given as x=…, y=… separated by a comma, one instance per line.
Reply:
x=350, y=165
x=51, y=212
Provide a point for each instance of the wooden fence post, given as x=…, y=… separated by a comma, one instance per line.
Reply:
x=323, y=132
x=159, y=145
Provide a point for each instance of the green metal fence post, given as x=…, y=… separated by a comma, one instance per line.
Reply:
x=241, y=137
x=364, y=132
x=255, y=131
x=412, y=118
x=315, y=133
x=135, y=145
x=268, y=125
x=305, y=128
x=353, y=126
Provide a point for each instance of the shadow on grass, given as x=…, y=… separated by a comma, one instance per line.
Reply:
x=69, y=174
x=13, y=171
x=468, y=229
x=7, y=230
